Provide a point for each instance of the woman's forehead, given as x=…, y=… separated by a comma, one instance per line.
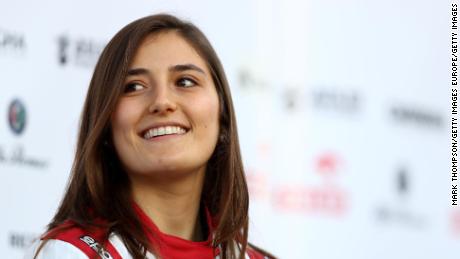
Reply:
x=165, y=49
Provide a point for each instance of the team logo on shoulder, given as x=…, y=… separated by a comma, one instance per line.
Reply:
x=96, y=247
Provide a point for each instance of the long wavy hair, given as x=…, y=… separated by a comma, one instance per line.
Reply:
x=98, y=187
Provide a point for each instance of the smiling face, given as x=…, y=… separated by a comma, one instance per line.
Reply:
x=167, y=121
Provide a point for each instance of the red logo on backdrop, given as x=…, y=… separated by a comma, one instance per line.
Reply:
x=455, y=223
x=311, y=200
x=326, y=198
x=327, y=164
x=257, y=184
x=257, y=178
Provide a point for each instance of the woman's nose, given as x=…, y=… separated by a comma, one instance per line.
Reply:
x=163, y=101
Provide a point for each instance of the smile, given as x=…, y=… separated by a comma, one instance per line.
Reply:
x=161, y=131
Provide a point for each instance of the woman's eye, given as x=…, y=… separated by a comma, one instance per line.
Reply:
x=132, y=87
x=186, y=82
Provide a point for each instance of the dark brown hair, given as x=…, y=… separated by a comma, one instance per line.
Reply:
x=99, y=188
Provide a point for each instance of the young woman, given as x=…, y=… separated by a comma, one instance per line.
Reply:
x=157, y=171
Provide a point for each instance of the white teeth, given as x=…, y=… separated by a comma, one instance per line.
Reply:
x=168, y=130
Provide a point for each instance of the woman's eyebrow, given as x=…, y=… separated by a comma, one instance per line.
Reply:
x=175, y=68
x=184, y=67
x=137, y=71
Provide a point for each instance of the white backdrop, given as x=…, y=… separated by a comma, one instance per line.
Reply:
x=342, y=105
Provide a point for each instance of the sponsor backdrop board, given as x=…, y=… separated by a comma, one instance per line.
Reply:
x=343, y=117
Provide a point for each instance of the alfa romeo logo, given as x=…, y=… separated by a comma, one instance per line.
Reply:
x=17, y=116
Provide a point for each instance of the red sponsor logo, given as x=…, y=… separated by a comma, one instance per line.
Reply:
x=257, y=184
x=311, y=199
x=455, y=223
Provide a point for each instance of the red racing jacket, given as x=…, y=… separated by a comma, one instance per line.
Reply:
x=76, y=243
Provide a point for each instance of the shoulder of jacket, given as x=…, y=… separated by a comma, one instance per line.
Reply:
x=54, y=249
x=253, y=254
x=92, y=244
x=250, y=253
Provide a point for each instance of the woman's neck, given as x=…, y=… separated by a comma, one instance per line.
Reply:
x=172, y=204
